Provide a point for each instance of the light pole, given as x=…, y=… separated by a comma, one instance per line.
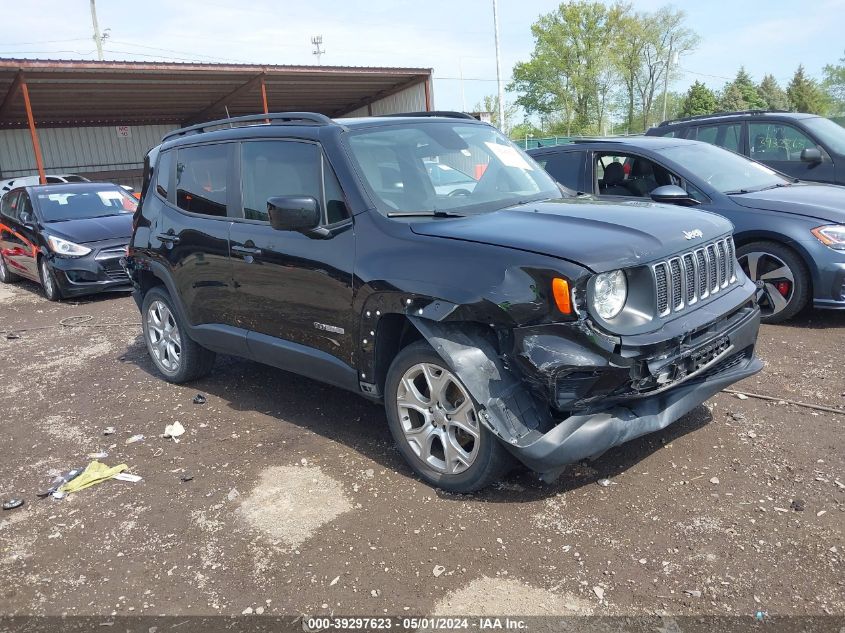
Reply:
x=527, y=136
x=317, y=41
x=499, y=68
x=98, y=40
x=669, y=61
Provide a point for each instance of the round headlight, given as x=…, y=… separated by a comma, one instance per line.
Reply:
x=609, y=293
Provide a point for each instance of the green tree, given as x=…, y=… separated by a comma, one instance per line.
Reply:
x=772, y=94
x=805, y=94
x=741, y=94
x=731, y=99
x=665, y=37
x=521, y=131
x=568, y=69
x=628, y=61
x=699, y=99
x=490, y=103
x=834, y=84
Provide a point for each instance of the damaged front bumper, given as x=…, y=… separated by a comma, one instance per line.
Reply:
x=566, y=392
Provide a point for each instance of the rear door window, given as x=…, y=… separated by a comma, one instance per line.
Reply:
x=727, y=135
x=565, y=167
x=9, y=205
x=201, y=179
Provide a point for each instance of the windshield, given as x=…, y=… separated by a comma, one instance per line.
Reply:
x=832, y=134
x=58, y=204
x=723, y=170
x=446, y=166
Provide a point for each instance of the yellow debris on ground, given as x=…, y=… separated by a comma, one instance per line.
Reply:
x=93, y=474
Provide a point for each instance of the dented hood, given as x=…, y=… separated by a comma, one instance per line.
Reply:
x=598, y=235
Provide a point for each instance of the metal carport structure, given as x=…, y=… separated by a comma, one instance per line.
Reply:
x=92, y=105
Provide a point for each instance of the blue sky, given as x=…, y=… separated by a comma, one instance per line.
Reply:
x=452, y=37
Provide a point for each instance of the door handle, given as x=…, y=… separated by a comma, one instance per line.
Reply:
x=246, y=250
x=170, y=238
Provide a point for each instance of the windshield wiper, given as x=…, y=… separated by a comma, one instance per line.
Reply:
x=766, y=188
x=425, y=214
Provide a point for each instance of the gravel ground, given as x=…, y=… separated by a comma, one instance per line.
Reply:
x=296, y=501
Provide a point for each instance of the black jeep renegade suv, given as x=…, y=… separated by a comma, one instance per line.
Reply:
x=504, y=318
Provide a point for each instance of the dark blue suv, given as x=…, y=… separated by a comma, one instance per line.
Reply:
x=804, y=146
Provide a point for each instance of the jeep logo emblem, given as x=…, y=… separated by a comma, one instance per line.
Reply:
x=691, y=235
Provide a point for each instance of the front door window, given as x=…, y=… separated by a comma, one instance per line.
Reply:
x=777, y=142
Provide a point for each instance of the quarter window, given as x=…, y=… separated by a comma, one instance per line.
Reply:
x=777, y=142
x=277, y=168
x=201, y=175
x=165, y=163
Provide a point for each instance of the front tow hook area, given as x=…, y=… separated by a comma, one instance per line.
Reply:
x=589, y=436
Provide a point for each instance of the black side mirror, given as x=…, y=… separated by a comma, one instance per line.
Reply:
x=811, y=155
x=26, y=218
x=672, y=194
x=293, y=213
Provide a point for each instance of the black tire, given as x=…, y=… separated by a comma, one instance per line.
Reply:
x=491, y=461
x=770, y=257
x=48, y=280
x=192, y=361
x=6, y=275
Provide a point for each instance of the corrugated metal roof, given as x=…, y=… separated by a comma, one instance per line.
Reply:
x=71, y=93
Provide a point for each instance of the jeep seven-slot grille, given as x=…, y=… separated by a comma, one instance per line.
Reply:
x=682, y=281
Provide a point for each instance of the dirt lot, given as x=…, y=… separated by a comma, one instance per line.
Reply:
x=300, y=504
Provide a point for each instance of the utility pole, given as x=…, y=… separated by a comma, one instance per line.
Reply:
x=498, y=68
x=98, y=39
x=317, y=41
x=666, y=78
x=463, y=94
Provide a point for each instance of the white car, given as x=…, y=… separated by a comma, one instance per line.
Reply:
x=27, y=181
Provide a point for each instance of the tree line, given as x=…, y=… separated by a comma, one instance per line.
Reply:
x=599, y=68
x=802, y=94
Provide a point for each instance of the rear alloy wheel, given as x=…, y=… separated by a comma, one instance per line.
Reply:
x=6, y=275
x=436, y=423
x=163, y=337
x=781, y=278
x=175, y=354
x=48, y=280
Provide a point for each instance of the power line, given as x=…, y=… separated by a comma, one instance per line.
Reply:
x=77, y=39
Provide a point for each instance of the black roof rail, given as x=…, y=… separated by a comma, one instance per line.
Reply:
x=713, y=115
x=432, y=113
x=283, y=117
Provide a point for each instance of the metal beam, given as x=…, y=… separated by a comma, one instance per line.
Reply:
x=10, y=94
x=36, y=146
x=224, y=100
x=414, y=81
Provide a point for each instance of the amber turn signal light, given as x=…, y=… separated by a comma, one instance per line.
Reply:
x=560, y=291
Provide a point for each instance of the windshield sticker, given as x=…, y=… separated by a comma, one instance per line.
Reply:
x=509, y=156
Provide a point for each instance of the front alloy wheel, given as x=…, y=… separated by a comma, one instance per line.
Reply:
x=163, y=338
x=438, y=418
x=436, y=423
x=48, y=281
